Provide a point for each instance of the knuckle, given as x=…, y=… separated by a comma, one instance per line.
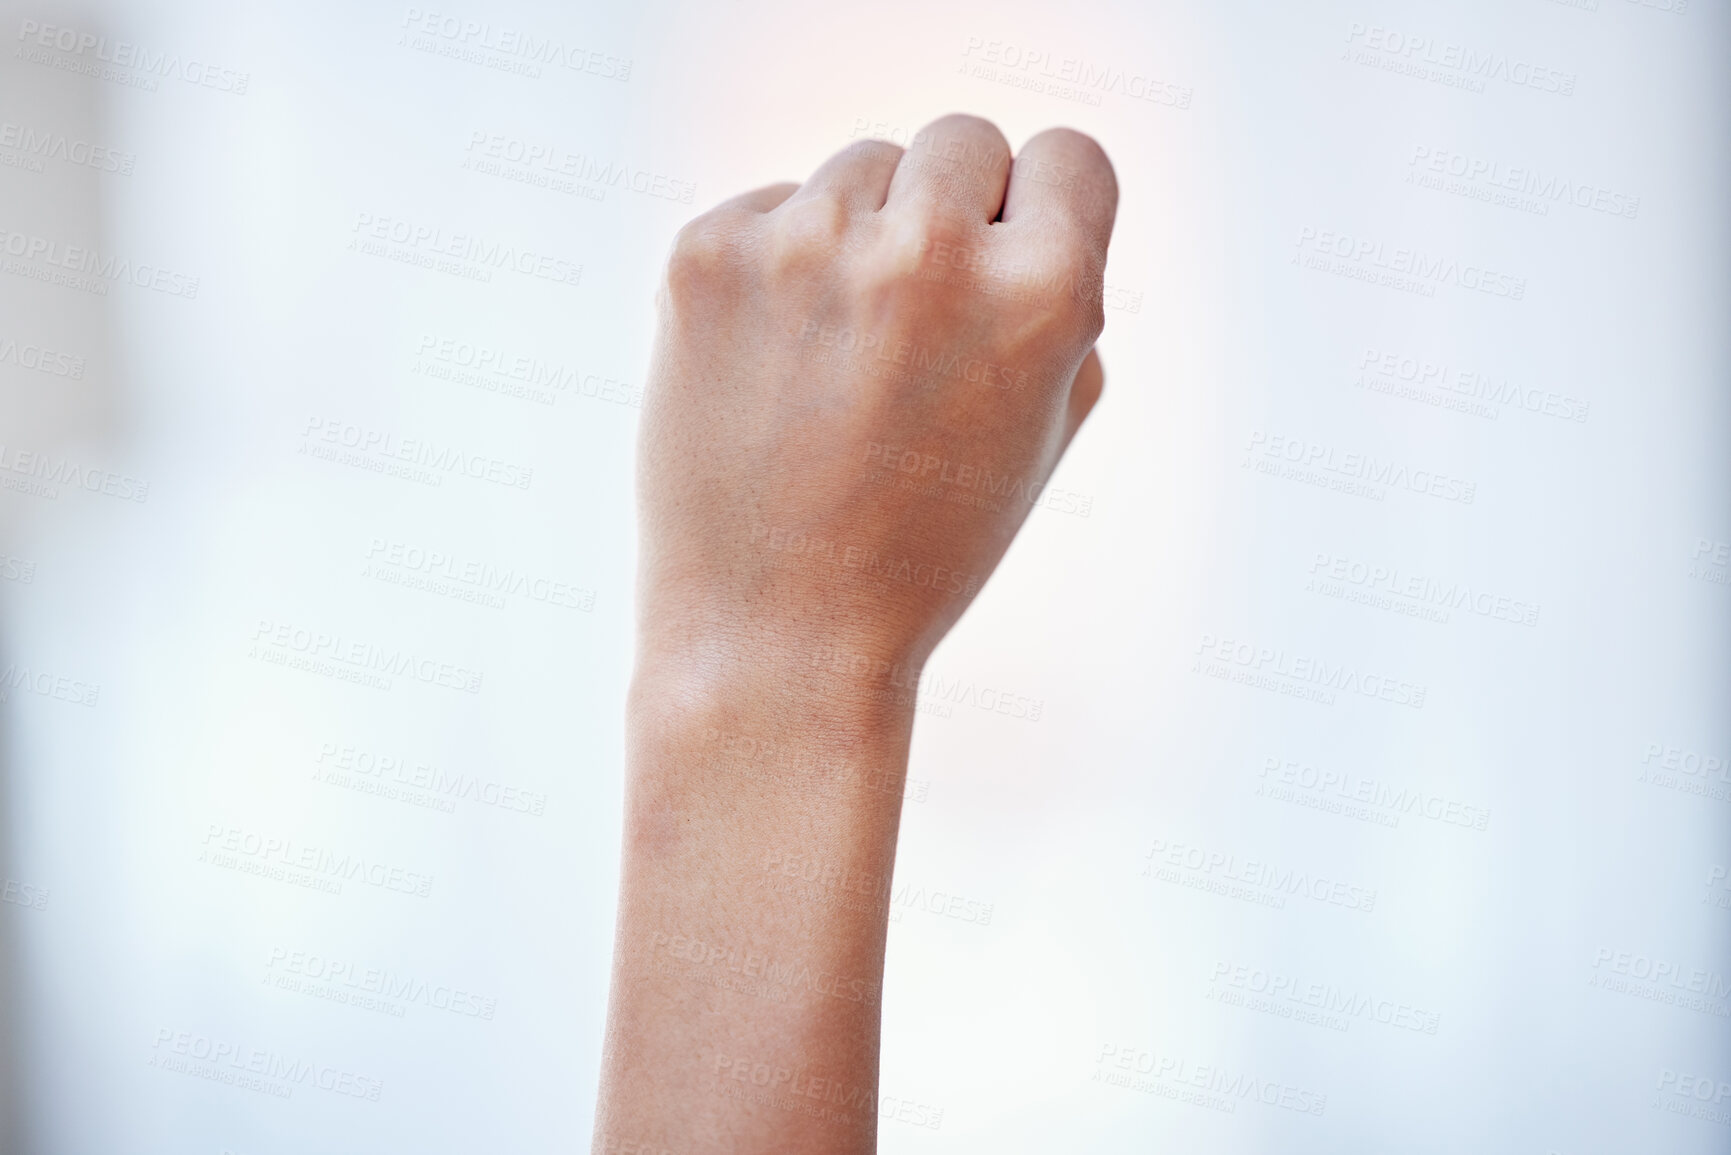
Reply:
x=934, y=249
x=939, y=225
x=964, y=124
x=1069, y=319
x=1069, y=273
x=1078, y=153
x=704, y=252
x=1076, y=146
x=819, y=217
x=1084, y=302
x=1071, y=311
x=1093, y=318
x=809, y=233
x=870, y=151
x=958, y=145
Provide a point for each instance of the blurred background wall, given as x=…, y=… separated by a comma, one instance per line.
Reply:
x=1339, y=761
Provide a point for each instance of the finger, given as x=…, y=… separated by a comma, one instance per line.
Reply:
x=759, y=200
x=1062, y=179
x=1085, y=392
x=858, y=176
x=957, y=163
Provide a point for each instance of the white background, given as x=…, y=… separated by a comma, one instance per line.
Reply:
x=1555, y=981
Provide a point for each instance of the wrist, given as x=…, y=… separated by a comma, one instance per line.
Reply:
x=729, y=748
x=806, y=688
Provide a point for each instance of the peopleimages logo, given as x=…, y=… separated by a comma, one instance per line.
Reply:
x=1217, y=871
x=1137, y=1069
x=402, y=562
x=444, y=34
x=1306, y=676
x=326, y=437
x=781, y=974
x=1360, y=474
x=1456, y=65
x=1420, y=592
x=1544, y=188
x=1071, y=77
x=255, y=1069
x=284, y=643
x=1461, y=389
x=52, y=472
x=1326, y=998
x=83, y=268
x=48, y=684
x=223, y=843
x=1406, y=267
x=121, y=60
x=42, y=360
x=355, y=978
x=1688, y=1095
x=446, y=786
x=553, y=161
x=40, y=144
x=1662, y=980
x=19, y=893
x=474, y=256
x=1325, y=787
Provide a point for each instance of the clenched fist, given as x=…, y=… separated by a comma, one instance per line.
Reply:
x=861, y=384
x=859, y=388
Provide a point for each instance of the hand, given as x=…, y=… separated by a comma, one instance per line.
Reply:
x=861, y=384
x=859, y=387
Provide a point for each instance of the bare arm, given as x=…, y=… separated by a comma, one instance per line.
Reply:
x=858, y=387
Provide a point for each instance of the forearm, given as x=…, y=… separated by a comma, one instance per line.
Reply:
x=761, y=817
x=794, y=572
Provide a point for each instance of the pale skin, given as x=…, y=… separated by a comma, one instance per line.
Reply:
x=857, y=386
